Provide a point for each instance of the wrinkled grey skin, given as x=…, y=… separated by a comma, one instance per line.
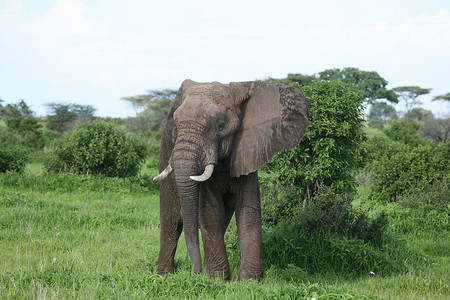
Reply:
x=237, y=128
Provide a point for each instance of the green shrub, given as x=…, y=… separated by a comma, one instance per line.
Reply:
x=399, y=168
x=97, y=148
x=404, y=132
x=427, y=198
x=13, y=160
x=330, y=150
x=327, y=252
x=278, y=201
x=28, y=132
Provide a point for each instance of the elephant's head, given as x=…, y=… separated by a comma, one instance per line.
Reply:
x=240, y=125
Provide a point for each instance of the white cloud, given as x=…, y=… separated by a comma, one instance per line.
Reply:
x=68, y=18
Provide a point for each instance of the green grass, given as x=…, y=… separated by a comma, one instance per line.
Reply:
x=83, y=237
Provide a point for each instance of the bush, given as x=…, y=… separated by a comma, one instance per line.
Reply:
x=399, y=169
x=13, y=160
x=27, y=131
x=428, y=198
x=404, y=132
x=327, y=252
x=330, y=150
x=97, y=148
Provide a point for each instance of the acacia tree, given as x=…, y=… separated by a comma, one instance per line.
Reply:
x=151, y=110
x=64, y=116
x=409, y=95
x=141, y=102
x=445, y=97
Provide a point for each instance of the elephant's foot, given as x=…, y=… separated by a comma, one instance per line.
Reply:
x=223, y=274
x=164, y=270
x=246, y=273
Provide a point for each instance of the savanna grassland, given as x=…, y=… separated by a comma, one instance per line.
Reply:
x=85, y=237
x=358, y=210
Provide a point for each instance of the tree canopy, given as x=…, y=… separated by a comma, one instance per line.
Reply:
x=63, y=116
x=409, y=95
x=141, y=102
x=17, y=110
x=151, y=110
x=445, y=97
x=370, y=85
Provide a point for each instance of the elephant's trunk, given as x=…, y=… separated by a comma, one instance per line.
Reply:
x=188, y=160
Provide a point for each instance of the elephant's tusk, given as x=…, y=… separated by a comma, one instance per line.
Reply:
x=163, y=175
x=209, y=169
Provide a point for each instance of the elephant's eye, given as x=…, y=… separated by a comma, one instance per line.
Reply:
x=220, y=125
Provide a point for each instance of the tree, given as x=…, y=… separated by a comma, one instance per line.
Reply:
x=1, y=108
x=151, y=110
x=137, y=102
x=64, y=116
x=140, y=102
x=371, y=86
x=28, y=132
x=380, y=113
x=420, y=114
x=437, y=130
x=409, y=95
x=18, y=110
x=445, y=97
x=301, y=79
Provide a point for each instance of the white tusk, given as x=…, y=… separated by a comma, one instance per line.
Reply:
x=163, y=175
x=209, y=169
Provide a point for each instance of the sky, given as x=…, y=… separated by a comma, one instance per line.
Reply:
x=96, y=52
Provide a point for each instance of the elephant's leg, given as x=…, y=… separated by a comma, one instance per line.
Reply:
x=248, y=220
x=212, y=223
x=171, y=226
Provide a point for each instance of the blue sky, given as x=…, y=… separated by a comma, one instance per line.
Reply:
x=95, y=52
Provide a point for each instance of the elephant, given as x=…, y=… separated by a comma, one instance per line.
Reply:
x=214, y=140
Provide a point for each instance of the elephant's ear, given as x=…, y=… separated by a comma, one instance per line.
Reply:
x=274, y=118
x=170, y=127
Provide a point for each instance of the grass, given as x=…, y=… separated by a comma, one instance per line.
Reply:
x=82, y=237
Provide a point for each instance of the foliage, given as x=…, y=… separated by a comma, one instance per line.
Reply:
x=63, y=117
x=12, y=160
x=140, y=102
x=330, y=150
x=28, y=132
x=398, y=168
x=17, y=110
x=328, y=252
x=97, y=148
x=300, y=79
x=404, y=132
x=428, y=198
x=326, y=212
x=419, y=114
x=409, y=95
x=370, y=85
x=437, y=130
x=152, y=118
x=151, y=110
x=445, y=97
x=380, y=113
